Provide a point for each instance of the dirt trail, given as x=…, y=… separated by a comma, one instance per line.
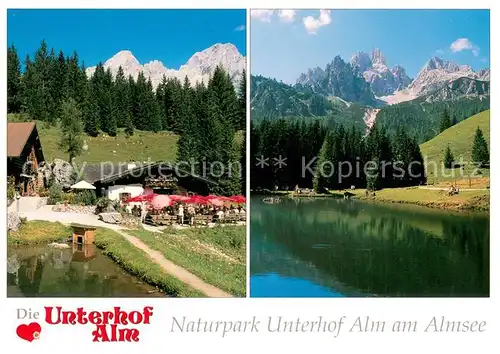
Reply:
x=174, y=270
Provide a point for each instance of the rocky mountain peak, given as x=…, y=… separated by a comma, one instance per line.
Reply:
x=438, y=63
x=361, y=61
x=198, y=68
x=123, y=58
x=438, y=72
x=378, y=57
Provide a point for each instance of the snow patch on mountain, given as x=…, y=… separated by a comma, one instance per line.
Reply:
x=198, y=68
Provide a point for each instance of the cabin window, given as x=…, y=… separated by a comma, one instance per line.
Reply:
x=125, y=196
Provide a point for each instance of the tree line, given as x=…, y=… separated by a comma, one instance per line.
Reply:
x=106, y=102
x=311, y=154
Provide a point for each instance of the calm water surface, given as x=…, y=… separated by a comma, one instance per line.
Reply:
x=76, y=272
x=331, y=248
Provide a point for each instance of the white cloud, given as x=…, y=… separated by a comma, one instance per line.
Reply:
x=240, y=28
x=312, y=24
x=287, y=15
x=464, y=44
x=263, y=15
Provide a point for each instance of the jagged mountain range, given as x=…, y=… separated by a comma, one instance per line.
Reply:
x=198, y=68
x=384, y=84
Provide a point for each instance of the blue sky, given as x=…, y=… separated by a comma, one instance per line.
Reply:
x=285, y=44
x=170, y=36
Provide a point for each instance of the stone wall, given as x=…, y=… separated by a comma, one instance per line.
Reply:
x=81, y=209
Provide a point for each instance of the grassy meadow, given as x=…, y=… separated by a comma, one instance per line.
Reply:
x=138, y=263
x=464, y=201
x=217, y=255
x=38, y=232
x=460, y=138
x=142, y=146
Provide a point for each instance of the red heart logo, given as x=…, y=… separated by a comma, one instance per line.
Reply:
x=29, y=332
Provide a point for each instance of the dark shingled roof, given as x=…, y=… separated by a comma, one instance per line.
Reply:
x=96, y=172
x=107, y=172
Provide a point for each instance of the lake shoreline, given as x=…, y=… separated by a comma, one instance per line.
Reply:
x=463, y=203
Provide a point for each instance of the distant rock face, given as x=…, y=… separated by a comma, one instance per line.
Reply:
x=312, y=78
x=437, y=72
x=339, y=79
x=383, y=81
x=198, y=68
x=459, y=88
x=361, y=61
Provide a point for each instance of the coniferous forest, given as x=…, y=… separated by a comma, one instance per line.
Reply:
x=317, y=155
x=206, y=116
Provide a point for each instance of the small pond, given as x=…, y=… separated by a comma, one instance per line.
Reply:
x=77, y=271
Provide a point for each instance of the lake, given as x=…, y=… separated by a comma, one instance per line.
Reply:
x=328, y=247
x=80, y=271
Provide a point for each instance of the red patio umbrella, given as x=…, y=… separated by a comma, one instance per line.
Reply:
x=148, y=197
x=197, y=199
x=178, y=198
x=160, y=201
x=216, y=201
x=238, y=199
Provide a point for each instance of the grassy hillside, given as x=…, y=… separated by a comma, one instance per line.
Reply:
x=422, y=119
x=142, y=146
x=460, y=138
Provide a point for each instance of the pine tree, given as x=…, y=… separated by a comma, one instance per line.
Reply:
x=14, y=85
x=242, y=102
x=448, y=158
x=325, y=166
x=445, y=121
x=121, y=99
x=37, y=86
x=154, y=120
x=132, y=99
x=91, y=111
x=480, y=154
x=129, y=126
x=189, y=143
x=160, y=99
x=71, y=129
x=243, y=163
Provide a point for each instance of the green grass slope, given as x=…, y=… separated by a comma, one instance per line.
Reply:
x=460, y=138
x=142, y=146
